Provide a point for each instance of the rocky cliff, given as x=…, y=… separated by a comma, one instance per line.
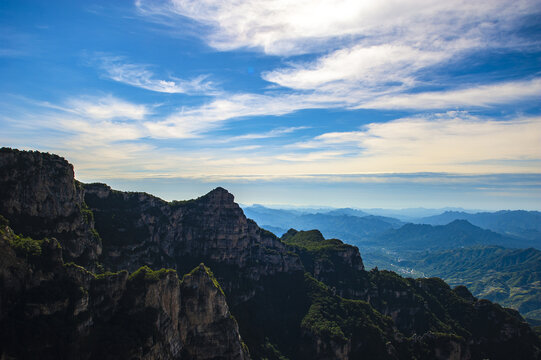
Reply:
x=140, y=229
x=302, y=297
x=62, y=311
x=41, y=198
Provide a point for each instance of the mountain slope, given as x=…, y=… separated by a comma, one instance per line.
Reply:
x=518, y=223
x=459, y=233
x=511, y=277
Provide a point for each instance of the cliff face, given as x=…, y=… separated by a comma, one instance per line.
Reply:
x=205, y=316
x=40, y=197
x=62, y=311
x=141, y=229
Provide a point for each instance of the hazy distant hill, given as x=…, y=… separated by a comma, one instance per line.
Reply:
x=518, y=223
x=347, y=211
x=459, y=233
x=413, y=214
x=339, y=223
x=511, y=277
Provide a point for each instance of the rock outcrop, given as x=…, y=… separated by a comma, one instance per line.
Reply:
x=140, y=229
x=41, y=198
x=62, y=311
x=205, y=315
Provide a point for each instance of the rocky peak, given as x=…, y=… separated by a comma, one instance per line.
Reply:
x=220, y=196
x=40, y=198
x=204, y=315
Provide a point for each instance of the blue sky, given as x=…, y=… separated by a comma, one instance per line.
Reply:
x=342, y=103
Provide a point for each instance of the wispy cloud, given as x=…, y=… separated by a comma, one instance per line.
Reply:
x=107, y=146
x=454, y=141
x=283, y=27
x=106, y=107
x=265, y=135
x=476, y=96
x=141, y=75
x=194, y=121
x=374, y=66
x=357, y=57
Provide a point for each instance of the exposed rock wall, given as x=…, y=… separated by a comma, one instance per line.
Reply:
x=62, y=311
x=138, y=229
x=39, y=196
x=205, y=316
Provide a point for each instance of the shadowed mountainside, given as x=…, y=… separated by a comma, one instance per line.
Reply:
x=274, y=288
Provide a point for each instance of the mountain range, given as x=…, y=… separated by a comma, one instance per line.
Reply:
x=517, y=223
x=94, y=273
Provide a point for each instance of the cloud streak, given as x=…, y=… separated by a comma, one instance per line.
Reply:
x=453, y=142
x=141, y=75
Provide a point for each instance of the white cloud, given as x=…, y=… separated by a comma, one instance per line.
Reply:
x=365, y=54
x=451, y=142
x=195, y=121
x=290, y=27
x=107, y=107
x=368, y=67
x=477, y=96
x=140, y=75
x=192, y=122
x=265, y=135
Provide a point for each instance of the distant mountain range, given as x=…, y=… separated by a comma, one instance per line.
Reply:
x=517, y=223
x=456, y=234
x=491, y=253
x=340, y=223
x=515, y=229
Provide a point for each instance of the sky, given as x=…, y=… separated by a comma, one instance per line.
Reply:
x=383, y=103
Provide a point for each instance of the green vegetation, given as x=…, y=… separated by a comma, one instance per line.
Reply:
x=88, y=215
x=3, y=221
x=108, y=274
x=337, y=320
x=511, y=277
x=78, y=267
x=144, y=273
x=209, y=273
x=25, y=246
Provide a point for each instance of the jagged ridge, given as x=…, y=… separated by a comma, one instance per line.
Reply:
x=281, y=311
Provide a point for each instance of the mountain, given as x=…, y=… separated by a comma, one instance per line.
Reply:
x=459, y=233
x=143, y=293
x=514, y=223
x=346, y=211
x=411, y=214
x=345, y=224
x=511, y=277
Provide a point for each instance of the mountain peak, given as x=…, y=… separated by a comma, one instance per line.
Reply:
x=461, y=223
x=221, y=195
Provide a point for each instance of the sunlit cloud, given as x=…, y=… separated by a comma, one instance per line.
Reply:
x=283, y=27
x=454, y=141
